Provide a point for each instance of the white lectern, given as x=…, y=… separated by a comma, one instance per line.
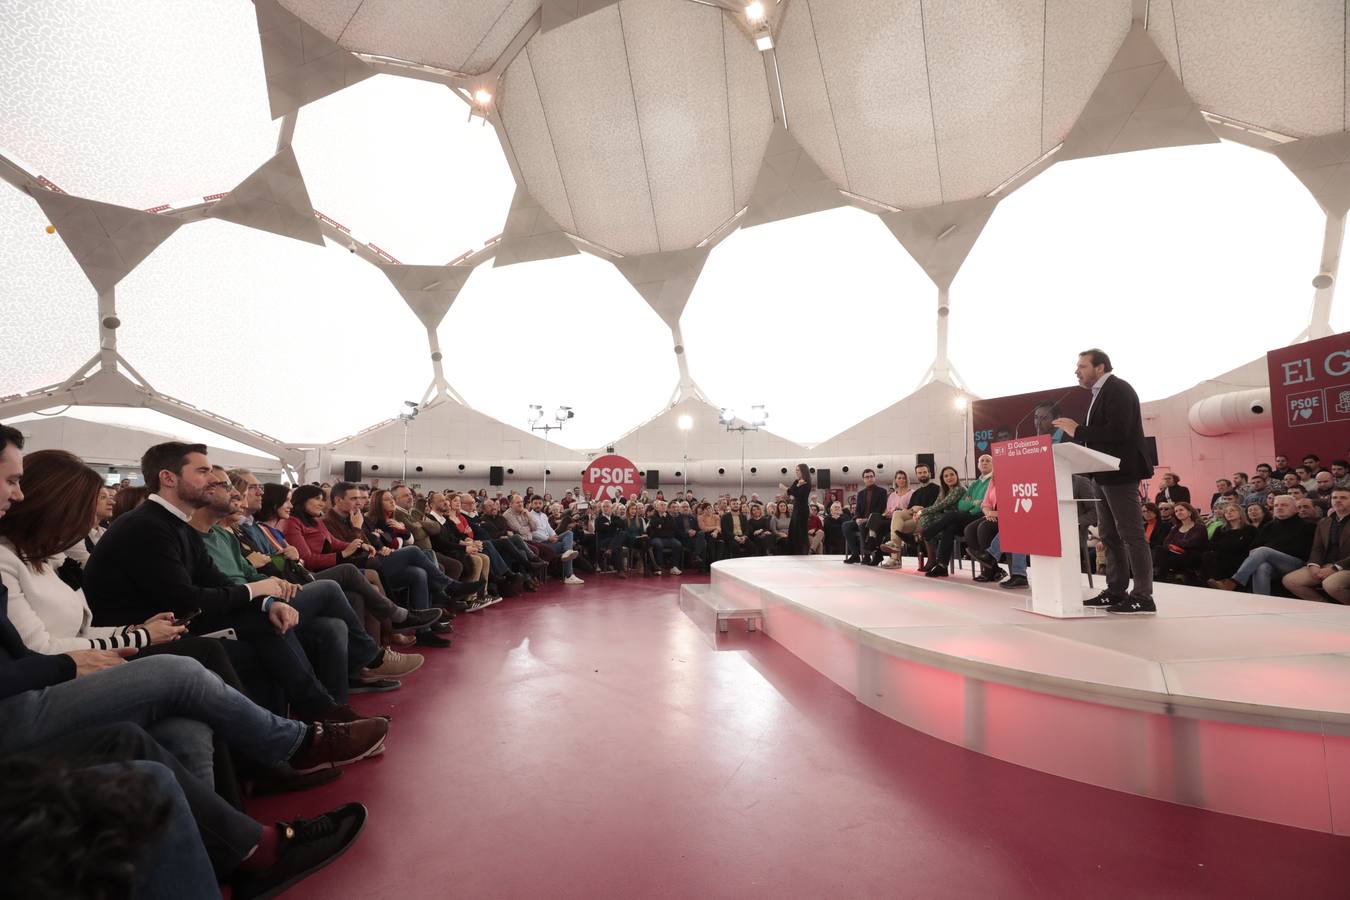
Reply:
x=1057, y=581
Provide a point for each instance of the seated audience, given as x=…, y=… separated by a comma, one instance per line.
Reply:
x=867, y=528
x=815, y=531
x=1155, y=531
x=980, y=535
x=1306, y=508
x=1178, y=559
x=1229, y=544
x=762, y=538
x=939, y=523
x=736, y=532
x=779, y=522
x=543, y=534
x=1172, y=490
x=1320, y=493
x=1257, y=516
x=1283, y=547
x=1221, y=486
x=665, y=542
x=1328, y=568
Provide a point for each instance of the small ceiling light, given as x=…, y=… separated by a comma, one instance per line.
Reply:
x=727, y=416
x=685, y=422
x=755, y=11
x=764, y=42
x=960, y=403
x=482, y=96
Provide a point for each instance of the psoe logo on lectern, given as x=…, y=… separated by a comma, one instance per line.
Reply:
x=1023, y=493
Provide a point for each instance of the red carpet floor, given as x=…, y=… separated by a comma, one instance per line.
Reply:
x=588, y=742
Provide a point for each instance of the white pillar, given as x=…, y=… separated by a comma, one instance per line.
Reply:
x=1319, y=325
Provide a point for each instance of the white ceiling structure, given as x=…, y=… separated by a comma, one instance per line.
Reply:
x=419, y=139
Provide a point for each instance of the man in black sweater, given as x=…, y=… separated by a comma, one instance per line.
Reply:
x=1114, y=425
x=864, y=533
x=152, y=557
x=1283, y=547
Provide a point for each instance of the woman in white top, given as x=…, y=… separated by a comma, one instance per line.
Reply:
x=61, y=495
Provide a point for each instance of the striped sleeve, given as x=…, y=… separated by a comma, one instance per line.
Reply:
x=128, y=636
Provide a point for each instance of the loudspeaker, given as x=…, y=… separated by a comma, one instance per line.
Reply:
x=496, y=476
x=823, y=478
x=926, y=459
x=653, y=479
x=351, y=471
x=1152, y=451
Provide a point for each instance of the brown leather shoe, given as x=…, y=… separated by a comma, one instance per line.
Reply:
x=332, y=744
x=1222, y=584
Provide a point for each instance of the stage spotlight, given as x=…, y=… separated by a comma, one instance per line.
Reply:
x=960, y=404
x=755, y=11
x=727, y=416
x=685, y=422
x=482, y=97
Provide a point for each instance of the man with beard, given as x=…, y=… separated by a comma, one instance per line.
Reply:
x=152, y=556
x=348, y=658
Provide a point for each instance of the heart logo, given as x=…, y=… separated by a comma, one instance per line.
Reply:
x=1026, y=504
x=983, y=445
x=1305, y=413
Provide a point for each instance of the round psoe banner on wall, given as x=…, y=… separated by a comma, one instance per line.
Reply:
x=611, y=477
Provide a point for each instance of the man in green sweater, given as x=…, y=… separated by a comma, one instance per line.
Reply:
x=327, y=626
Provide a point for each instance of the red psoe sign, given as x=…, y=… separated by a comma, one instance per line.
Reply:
x=1310, y=398
x=1028, y=505
x=611, y=477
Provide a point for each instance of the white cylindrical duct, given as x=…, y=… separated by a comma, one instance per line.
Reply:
x=1231, y=412
x=759, y=472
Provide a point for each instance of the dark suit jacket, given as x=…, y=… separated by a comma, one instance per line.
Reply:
x=1177, y=494
x=20, y=668
x=1324, y=555
x=1115, y=426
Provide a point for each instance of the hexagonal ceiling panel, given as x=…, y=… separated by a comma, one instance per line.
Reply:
x=135, y=103
x=914, y=104
x=641, y=126
x=782, y=310
x=49, y=327
x=241, y=322
x=567, y=331
x=1181, y=263
x=397, y=161
x=461, y=35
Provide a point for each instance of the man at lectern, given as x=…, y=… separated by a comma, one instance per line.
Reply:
x=1114, y=425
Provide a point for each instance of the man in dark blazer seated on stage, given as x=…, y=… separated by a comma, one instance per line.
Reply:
x=1114, y=425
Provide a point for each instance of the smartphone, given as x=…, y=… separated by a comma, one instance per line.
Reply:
x=183, y=620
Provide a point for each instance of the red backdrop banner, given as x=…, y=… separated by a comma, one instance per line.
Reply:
x=1028, y=508
x=1310, y=398
x=611, y=477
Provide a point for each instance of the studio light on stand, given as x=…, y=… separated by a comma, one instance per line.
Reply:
x=758, y=416
x=407, y=413
x=685, y=422
x=536, y=417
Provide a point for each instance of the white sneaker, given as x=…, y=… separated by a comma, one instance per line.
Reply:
x=674, y=570
x=570, y=554
x=889, y=562
x=572, y=579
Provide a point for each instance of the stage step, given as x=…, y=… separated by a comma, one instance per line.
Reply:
x=712, y=612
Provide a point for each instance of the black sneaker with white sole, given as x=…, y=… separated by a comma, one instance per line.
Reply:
x=1133, y=606
x=1104, y=599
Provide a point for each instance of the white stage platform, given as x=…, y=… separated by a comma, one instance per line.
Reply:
x=1229, y=702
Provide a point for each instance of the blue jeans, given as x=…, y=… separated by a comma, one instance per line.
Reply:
x=1017, y=562
x=1263, y=565
x=409, y=567
x=560, y=545
x=227, y=834
x=176, y=864
x=147, y=692
x=668, y=551
x=337, y=641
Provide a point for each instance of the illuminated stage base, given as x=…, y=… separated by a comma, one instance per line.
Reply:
x=1229, y=702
